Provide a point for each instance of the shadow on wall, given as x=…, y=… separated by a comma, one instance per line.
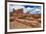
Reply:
x=12, y=33
x=12, y=0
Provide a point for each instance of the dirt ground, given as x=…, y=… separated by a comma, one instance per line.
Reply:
x=21, y=21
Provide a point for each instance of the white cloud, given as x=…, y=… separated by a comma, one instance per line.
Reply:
x=18, y=7
x=36, y=11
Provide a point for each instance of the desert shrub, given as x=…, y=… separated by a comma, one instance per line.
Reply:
x=22, y=17
x=36, y=16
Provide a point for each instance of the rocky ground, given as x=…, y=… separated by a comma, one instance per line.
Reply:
x=21, y=21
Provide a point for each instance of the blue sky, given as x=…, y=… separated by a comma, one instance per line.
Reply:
x=27, y=8
x=30, y=6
